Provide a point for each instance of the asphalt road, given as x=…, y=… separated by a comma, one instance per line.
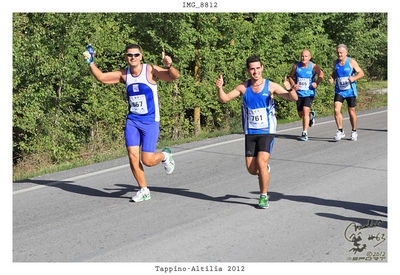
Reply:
x=328, y=203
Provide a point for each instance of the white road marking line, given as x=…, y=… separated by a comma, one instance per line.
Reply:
x=175, y=154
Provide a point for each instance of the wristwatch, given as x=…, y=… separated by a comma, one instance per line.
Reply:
x=291, y=88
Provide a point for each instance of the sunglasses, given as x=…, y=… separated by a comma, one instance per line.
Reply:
x=132, y=54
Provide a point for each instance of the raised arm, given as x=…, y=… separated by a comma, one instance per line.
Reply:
x=168, y=73
x=225, y=97
x=288, y=93
x=106, y=78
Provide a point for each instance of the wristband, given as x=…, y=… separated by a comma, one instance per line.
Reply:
x=89, y=53
x=291, y=88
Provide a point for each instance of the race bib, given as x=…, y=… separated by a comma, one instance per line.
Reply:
x=258, y=118
x=138, y=104
x=304, y=83
x=344, y=83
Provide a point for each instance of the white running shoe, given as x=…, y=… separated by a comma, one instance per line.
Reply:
x=142, y=195
x=169, y=163
x=354, y=135
x=339, y=135
x=304, y=136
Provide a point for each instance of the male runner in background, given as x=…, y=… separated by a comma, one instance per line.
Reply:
x=345, y=88
x=303, y=76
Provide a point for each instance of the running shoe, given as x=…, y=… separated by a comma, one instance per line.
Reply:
x=142, y=195
x=169, y=163
x=339, y=135
x=312, y=118
x=263, y=202
x=304, y=136
x=354, y=135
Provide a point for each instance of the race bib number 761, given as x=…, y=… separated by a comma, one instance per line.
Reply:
x=258, y=118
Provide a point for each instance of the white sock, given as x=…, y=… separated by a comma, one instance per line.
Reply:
x=264, y=194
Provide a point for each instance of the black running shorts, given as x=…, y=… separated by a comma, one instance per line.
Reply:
x=351, y=101
x=257, y=143
x=304, y=101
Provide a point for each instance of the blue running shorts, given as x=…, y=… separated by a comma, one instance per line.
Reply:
x=142, y=133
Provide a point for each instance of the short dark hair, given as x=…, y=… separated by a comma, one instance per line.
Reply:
x=132, y=46
x=251, y=59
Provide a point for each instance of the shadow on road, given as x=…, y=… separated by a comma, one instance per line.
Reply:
x=285, y=136
x=343, y=164
x=196, y=195
x=330, y=139
x=376, y=130
x=382, y=224
x=310, y=138
x=79, y=189
x=121, y=190
x=369, y=209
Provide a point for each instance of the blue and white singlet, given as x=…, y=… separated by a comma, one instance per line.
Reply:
x=258, y=111
x=142, y=97
x=343, y=86
x=305, y=78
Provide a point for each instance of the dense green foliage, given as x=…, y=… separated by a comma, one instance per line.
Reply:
x=59, y=108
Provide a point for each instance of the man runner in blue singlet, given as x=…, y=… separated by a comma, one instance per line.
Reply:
x=258, y=119
x=345, y=88
x=142, y=124
x=303, y=76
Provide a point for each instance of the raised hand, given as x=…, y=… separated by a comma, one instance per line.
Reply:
x=89, y=54
x=220, y=82
x=167, y=60
x=286, y=84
